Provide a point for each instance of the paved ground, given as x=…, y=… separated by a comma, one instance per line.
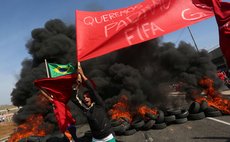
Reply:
x=206, y=130
x=210, y=129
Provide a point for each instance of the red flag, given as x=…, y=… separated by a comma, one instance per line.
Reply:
x=63, y=115
x=61, y=90
x=222, y=14
x=59, y=87
x=102, y=32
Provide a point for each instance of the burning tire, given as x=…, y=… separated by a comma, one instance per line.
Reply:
x=159, y=126
x=196, y=116
x=160, y=118
x=184, y=114
x=119, y=129
x=125, y=119
x=212, y=112
x=115, y=123
x=137, y=124
x=203, y=105
x=170, y=118
x=151, y=116
x=174, y=111
x=126, y=125
x=130, y=132
x=148, y=125
x=181, y=120
x=194, y=108
x=209, y=109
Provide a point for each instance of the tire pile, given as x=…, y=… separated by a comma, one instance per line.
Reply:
x=162, y=119
x=201, y=110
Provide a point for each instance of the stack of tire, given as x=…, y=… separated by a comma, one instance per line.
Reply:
x=201, y=110
x=176, y=116
x=121, y=126
x=162, y=119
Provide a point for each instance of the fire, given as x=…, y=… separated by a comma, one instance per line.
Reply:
x=144, y=109
x=33, y=126
x=213, y=98
x=120, y=109
x=207, y=84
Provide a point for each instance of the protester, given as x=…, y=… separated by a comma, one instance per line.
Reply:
x=94, y=108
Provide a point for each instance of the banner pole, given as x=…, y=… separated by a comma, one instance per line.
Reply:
x=47, y=71
x=193, y=38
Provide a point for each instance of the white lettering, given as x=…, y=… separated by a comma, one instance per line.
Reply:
x=121, y=24
x=165, y=4
x=145, y=28
x=129, y=37
x=141, y=32
x=105, y=17
x=109, y=27
x=96, y=20
x=112, y=15
x=133, y=18
x=155, y=28
x=88, y=20
x=192, y=16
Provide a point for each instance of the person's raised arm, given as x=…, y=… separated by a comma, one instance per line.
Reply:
x=75, y=98
x=93, y=93
x=46, y=95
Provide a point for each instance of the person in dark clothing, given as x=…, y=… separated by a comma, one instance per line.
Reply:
x=94, y=108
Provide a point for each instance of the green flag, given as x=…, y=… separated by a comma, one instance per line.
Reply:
x=60, y=70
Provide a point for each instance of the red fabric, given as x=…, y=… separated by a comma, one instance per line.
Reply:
x=61, y=89
x=102, y=32
x=222, y=14
x=221, y=75
x=63, y=115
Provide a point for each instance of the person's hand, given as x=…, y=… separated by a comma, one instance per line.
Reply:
x=78, y=64
x=80, y=71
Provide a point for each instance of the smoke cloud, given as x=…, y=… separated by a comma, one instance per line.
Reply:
x=143, y=72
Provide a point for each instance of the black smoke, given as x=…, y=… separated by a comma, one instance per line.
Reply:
x=143, y=72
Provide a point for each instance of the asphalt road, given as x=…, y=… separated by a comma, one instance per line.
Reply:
x=206, y=130
x=209, y=129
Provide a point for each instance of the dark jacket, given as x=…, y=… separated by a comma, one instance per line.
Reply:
x=96, y=115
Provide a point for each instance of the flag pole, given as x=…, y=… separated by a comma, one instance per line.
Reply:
x=192, y=38
x=47, y=71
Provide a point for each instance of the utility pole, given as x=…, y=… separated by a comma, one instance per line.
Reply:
x=193, y=38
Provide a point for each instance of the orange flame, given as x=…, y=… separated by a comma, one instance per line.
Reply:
x=144, y=109
x=33, y=126
x=120, y=109
x=214, y=98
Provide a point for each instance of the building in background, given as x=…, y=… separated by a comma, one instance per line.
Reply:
x=219, y=60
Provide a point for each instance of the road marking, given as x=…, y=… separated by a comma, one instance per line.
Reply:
x=217, y=120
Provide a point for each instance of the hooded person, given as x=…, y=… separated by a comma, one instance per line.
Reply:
x=93, y=107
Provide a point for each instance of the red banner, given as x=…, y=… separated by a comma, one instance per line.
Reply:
x=222, y=14
x=102, y=32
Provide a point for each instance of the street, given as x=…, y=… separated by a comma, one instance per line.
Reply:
x=206, y=130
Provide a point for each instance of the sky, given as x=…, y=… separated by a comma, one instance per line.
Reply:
x=20, y=17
